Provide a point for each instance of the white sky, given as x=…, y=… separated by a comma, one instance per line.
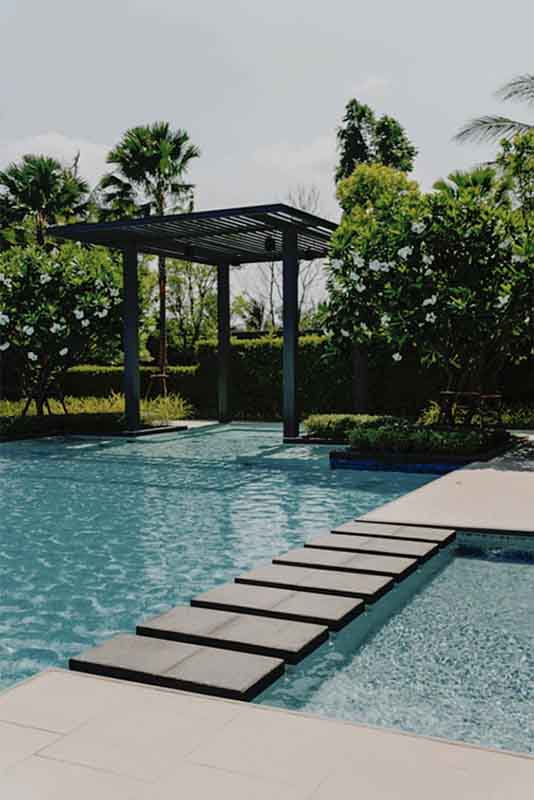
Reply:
x=260, y=86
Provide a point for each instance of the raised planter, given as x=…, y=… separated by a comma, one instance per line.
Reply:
x=407, y=462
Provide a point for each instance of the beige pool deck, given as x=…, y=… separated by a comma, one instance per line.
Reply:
x=495, y=496
x=67, y=735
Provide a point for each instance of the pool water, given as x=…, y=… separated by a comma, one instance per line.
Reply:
x=97, y=535
x=449, y=655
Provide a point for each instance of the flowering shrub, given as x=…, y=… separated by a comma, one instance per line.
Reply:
x=54, y=308
x=441, y=276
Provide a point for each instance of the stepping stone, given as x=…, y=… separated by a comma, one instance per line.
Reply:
x=260, y=635
x=441, y=536
x=239, y=676
x=342, y=561
x=373, y=544
x=299, y=579
x=334, y=612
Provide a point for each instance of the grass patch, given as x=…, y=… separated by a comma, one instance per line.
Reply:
x=87, y=415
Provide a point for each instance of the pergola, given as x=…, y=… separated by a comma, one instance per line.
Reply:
x=222, y=238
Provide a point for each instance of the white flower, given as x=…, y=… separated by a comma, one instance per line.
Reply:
x=430, y=301
x=345, y=334
x=4, y=346
x=56, y=328
x=418, y=227
x=502, y=301
x=114, y=292
x=78, y=313
x=85, y=323
x=428, y=259
x=405, y=252
x=358, y=261
x=517, y=259
x=32, y=356
x=385, y=319
x=430, y=317
x=102, y=313
x=4, y=280
x=397, y=357
x=27, y=329
x=45, y=278
x=4, y=319
x=360, y=287
x=64, y=351
x=375, y=266
x=336, y=263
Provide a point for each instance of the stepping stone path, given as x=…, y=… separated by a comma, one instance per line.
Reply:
x=239, y=676
x=334, y=612
x=342, y=561
x=301, y=579
x=233, y=640
x=250, y=634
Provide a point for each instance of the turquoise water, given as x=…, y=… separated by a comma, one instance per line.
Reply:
x=449, y=653
x=96, y=535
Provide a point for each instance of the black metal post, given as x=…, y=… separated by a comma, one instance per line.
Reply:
x=290, y=306
x=223, y=326
x=132, y=391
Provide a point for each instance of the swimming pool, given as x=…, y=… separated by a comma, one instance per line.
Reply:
x=448, y=653
x=97, y=535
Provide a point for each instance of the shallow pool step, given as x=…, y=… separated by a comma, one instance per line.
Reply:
x=440, y=536
x=278, y=638
x=301, y=579
x=374, y=545
x=318, y=609
x=394, y=566
x=173, y=665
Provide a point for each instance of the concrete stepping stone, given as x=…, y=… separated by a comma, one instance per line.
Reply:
x=373, y=544
x=300, y=579
x=440, y=536
x=239, y=676
x=260, y=635
x=334, y=612
x=342, y=561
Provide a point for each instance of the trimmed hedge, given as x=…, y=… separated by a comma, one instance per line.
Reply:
x=406, y=440
x=337, y=427
x=92, y=380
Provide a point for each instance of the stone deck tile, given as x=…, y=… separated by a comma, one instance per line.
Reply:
x=284, y=639
x=174, y=665
x=342, y=561
x=441, y=536
x=334, y=612
x=368, y=587
x=375, y=545
x=156, y=744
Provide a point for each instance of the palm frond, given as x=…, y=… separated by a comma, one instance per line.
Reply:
x=520, y=88
x=491, y=129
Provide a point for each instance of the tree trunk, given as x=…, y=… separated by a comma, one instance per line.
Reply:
x=162, y=272
x=360, y=379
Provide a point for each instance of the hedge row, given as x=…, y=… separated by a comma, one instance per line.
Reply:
x=91, y=380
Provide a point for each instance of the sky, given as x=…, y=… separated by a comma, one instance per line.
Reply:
x=259, y=86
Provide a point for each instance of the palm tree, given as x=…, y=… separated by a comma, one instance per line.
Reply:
x=483, y=180
x=493, y=128
x=149, y=163
x=40, y=188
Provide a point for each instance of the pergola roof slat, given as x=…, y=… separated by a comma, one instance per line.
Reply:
x=225, y=235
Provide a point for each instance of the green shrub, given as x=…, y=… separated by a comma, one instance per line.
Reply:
x=408, y=440
x=336, y=427
x=91, y=380
x=513, y=415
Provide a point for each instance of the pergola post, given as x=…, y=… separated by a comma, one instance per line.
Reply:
x=132, y=391
x=290, y=321
x=223, y=328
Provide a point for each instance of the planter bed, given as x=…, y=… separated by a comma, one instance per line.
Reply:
x=408, y=462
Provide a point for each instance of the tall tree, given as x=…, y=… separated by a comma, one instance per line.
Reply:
x=492, y=128
x=42, y=190
x=364, y=138
x=149, y=165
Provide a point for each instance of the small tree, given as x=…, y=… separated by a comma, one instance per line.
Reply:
x=437, y=277
x=55, y=309
x=192, y=302
x=363, y=138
